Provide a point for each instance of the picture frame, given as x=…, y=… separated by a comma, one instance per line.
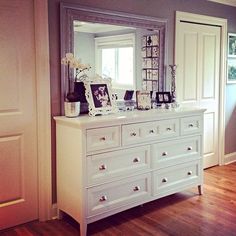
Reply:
x=163, y=97
x=143, y=100
x=231, y=70
x=99, y=95
x=128, y=95
x=231, y=60
x=232, y=45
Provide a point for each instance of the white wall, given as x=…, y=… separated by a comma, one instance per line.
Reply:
x=85, y=49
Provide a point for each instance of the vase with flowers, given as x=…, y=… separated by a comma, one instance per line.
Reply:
x=74, y=69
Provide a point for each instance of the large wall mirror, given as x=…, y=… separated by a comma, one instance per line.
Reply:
x=129, y=49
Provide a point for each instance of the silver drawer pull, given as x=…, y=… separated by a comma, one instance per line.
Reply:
x=136, y=159
x=103, y=198
x=133, y=134
x=103, y=138
x=102, y=167
x=136, y=188
x=151, y=131
x=168, y=129
x=190, y=148
x=164, y=180
x=190, y=172
x=164, y=154
x=190, y=125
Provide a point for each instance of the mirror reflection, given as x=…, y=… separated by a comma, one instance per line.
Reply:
x=129, y=56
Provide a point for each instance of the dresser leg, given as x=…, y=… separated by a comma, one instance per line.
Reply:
x=200, y=189
x=83, y=229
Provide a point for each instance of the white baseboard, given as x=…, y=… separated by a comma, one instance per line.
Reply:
x=229, y=158
x=54, y=211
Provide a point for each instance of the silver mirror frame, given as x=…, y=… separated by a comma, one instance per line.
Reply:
x=70, y=12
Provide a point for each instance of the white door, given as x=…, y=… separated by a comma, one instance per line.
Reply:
x=198, y=71
x=18, y=137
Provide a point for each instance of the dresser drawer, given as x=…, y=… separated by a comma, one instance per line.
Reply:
x=119, y=193
x=171, y=179
x=102, y=138
x=191, y=125
x=140, y=132
x=176, y=152
x=108, y=166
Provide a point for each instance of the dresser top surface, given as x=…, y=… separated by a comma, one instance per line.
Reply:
x=128, y=117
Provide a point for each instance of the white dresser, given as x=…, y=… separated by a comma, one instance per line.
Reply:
x=107, y=164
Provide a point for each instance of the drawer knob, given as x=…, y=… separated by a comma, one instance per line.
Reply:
x=190, y=125
x=164, y=180
x=168, y=129
x=102, y=167
x=136, y=188
x=136, y=159
x=190, y=172
x=103, y=138
x=151, y=131
x=190, y=148
x=103, y=199
x=164, y=154
x=133, y=134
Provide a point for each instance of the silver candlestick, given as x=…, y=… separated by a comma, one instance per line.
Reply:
x=173, y=82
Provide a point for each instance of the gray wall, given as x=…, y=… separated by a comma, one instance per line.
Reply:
x=155, y=8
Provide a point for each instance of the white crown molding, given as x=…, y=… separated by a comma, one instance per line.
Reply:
x=225, y=2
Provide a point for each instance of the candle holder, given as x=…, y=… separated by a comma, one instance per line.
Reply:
x=173, y=83
x=174, y=103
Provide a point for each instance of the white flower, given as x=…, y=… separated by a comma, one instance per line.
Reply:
x=74, y=63
x=64, y=61
x=69, y=56
x=84, y=66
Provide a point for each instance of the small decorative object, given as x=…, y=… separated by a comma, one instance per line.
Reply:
x=231, y=77
x=167, y=105
x=173, y=82
x=128, y=95
x=72, y=99
x=163, y=97
x=143, y=100
x=99, y=96
x=72, y=109
x=163, y=106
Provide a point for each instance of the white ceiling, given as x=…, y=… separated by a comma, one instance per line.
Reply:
x=87, y=27
x=226, y=2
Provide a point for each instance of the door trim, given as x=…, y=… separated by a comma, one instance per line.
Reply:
x=203, y=19
x=43, y=109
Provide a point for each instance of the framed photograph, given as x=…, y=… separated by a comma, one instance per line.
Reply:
x=231, y=45
x=99, y=96
x=231, y=70
x=128, y=95
x=143, y=99
x=163, y=97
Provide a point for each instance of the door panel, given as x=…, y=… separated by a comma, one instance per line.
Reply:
x=11, y=167
x=18, y=137
x=198, y=60
x=208, y=66
x=190, y=67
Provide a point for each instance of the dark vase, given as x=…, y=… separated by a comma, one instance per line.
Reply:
x=79, y=91
x=72, y=97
